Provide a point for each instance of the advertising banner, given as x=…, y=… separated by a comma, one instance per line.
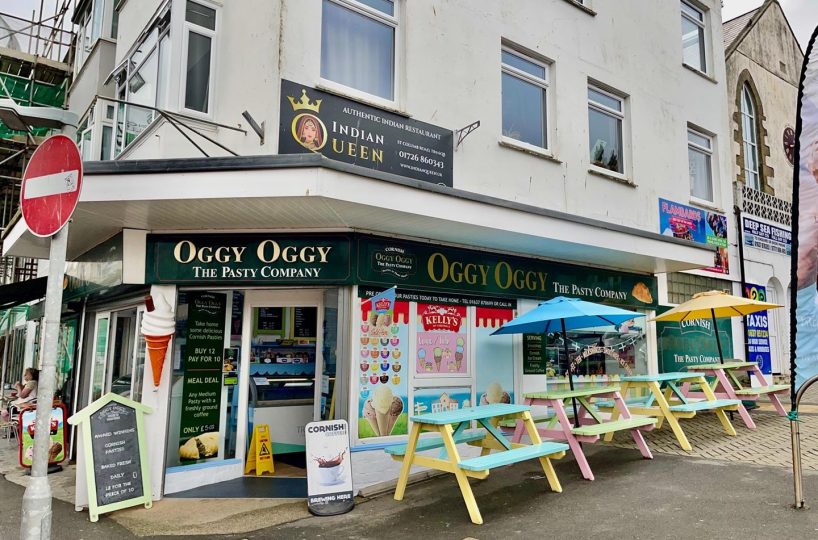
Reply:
x=687, y=343
x=697, y=225
x=56, y=427
x=442, y=341
x=449, y=398
x=804, y=313
x=439, y=268
x=340, y=129
x=203, y=366
x=382, y=377
x=758, y=334
x=329, y=469
x=768, y=237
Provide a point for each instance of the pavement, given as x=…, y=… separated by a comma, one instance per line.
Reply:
x=733, y=487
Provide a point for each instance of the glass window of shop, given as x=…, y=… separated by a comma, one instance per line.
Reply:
x=426, y=357
x=603, y=352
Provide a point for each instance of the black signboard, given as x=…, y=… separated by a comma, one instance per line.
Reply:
x=348, y=131
x=305, y=322
x=115, y=450
x=270, y=319
x=203, y=364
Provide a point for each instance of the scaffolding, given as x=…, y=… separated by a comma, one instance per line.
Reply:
x=36, y=57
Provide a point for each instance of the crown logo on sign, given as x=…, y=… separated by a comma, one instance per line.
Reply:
x=382, y=304
x=304, y=103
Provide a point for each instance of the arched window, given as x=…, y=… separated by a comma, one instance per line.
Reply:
x=749, y=138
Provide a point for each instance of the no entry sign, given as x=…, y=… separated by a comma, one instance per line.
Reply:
x=51, y=186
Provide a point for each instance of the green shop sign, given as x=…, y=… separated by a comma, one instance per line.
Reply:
x=260, y=259
x=389, y=262
x=687, y=343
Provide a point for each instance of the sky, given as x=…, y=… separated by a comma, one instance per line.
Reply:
x=802, y=14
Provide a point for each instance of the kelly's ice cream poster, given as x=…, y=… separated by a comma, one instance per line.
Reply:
x=382, y=372
x=442, y=341
x=494, y=357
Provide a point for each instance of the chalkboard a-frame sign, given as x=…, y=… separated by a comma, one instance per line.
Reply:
x=112, y=432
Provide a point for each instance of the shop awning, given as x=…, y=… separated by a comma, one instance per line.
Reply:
x=311, y=193
x=21, y=292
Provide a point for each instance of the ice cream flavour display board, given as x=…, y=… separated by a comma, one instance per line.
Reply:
x=57, y=436
x=381, y=374
x=113, y=455
x=442, y=341
x=329, y=471
x=203, y=364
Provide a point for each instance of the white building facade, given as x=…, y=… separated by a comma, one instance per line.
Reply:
x=283, y=162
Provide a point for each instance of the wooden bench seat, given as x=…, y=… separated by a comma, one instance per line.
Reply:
x=641, y=401
x=521, y=453
x=616, y=425
x=430, y=443
x=762, y=390
x=705, y=405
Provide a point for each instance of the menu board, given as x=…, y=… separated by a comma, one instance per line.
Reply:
x=203, y=366
x=305, y=322
x=115, y=450
x=270, y=319
x=534, y=362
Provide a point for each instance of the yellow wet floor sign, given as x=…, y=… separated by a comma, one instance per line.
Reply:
x=260, y=454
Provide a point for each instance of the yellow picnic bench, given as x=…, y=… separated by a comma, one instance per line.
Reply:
x=488, y=439
x=660, y=396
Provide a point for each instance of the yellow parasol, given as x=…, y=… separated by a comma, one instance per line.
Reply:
x=713, y=305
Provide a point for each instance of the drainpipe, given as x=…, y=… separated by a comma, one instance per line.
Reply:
x=739, y=198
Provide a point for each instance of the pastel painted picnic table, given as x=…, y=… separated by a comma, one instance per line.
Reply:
x=725, y=384
x=591, y=423
x=451, y=428
x=666, y=401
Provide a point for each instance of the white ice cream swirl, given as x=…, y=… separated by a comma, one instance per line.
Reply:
x=160, y=321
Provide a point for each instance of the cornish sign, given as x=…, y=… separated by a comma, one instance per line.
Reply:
x=692, y=342
x=115, y=457
x=250, y=258
x=329, y=470
x=767, y=237
x=343, y=130
x=426, y=266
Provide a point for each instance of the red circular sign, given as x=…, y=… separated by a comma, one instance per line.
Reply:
x=51, y=185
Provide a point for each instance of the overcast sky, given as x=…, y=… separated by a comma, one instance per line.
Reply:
x=802, y=14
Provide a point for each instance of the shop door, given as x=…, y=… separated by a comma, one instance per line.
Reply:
x=283, y=348
x=100, y=355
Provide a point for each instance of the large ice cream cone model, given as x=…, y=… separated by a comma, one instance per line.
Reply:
x=158, y=326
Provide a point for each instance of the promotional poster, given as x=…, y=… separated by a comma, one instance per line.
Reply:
x=697, y=225
x=329, y=469
x=442, y=341
x=56, y=426
x=758, y=333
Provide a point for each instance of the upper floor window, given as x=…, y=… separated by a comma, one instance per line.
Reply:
x=699, y=155
x=91, y=23
x=749, y=138
x=606, y=113
x=358, y=45
x=525, y=93
x=693, y=43
x=199, y=34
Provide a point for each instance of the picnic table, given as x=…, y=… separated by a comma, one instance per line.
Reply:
x=725, y=384
x=667, y=402
x=591, y=426
x=451, y=428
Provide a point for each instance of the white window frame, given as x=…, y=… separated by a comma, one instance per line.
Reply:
x=703, y=45
x=545, y=84
x=621, y=115
x=709, y=153
x=186, y=28
x=397, y=62
x=750, y=117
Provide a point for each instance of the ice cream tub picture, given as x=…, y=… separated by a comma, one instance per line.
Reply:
x=329, y=471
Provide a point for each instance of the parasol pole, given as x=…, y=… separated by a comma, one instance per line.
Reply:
x=716, y=330
x=570, y=377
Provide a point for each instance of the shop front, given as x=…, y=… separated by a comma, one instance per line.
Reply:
x=276, y=329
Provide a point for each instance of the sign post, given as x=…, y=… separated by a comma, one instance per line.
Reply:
x=48, y=197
